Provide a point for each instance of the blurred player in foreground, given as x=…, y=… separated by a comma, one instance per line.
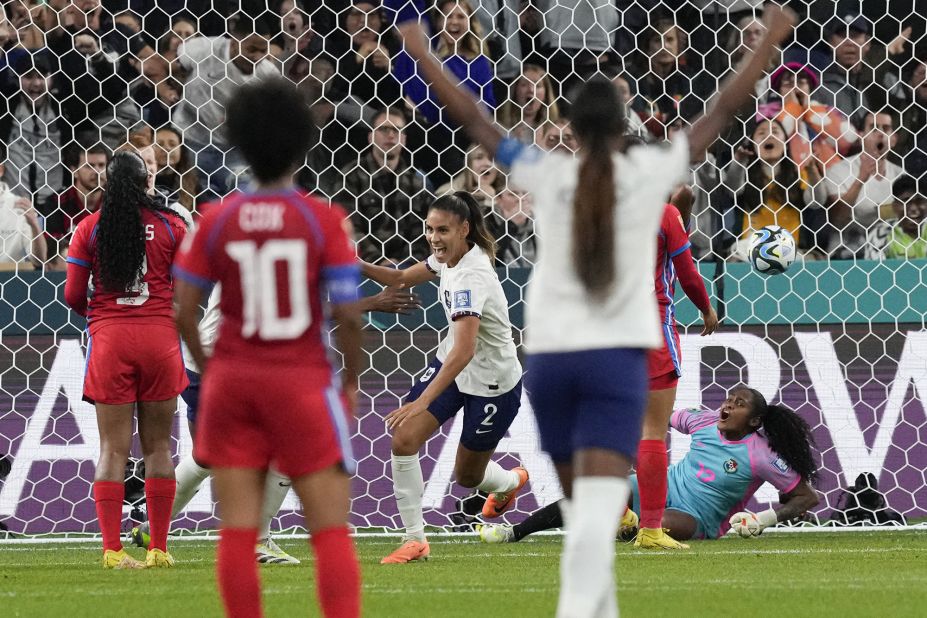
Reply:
x=269, y=396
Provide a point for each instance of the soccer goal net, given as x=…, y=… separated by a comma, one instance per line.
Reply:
x=833, y=149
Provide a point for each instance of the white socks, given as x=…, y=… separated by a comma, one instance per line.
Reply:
x=588, y=559
x=275, y=489
x=408, y=486
x=189, y=476
x=497, y=478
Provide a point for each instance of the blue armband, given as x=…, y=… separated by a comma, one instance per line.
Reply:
x=508, y=151
x=342, y=283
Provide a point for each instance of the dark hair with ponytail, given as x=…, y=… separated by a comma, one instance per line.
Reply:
x=120, y=240
x=598, y=118
x=468, y=209
x=788, y=434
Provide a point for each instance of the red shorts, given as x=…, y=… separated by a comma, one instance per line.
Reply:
x=292, y=419
x=663, y=364
x=127, y=363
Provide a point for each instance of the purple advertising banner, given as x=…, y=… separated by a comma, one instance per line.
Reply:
x=859, y=386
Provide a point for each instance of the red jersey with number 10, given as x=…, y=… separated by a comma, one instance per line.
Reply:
x=149, y=300
x=275, y=254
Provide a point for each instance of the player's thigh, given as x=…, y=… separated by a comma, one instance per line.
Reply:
x=114, y=422
x=110, y=374
x=155, y=423
x=325, y=496
x=610, y=405
x=659, y=409
x=408, y=438
x=551, y=384
x=159, y=363
x=240, y=495
x=413, y=433
x=681, y=526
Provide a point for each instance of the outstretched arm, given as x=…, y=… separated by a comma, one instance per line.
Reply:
x=460, y=102
x=779, y=22
x=395, y=277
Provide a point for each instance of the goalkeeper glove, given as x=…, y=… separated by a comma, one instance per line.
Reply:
x=748, y=524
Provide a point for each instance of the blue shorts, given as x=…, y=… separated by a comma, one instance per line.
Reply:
x=486, y=419
x=676, y=503
x=588, y=399
x=191, y=395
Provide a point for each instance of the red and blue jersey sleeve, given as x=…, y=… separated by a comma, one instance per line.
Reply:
x=677, y=240
x=340, y=268
x=80, y=251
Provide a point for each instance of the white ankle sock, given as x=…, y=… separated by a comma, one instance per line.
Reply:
x=588, y=559
x=189, y=476
x=497, y=478
x=408, y=486
x=275, y=490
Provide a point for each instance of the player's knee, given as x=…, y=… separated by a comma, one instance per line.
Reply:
x=404, y=443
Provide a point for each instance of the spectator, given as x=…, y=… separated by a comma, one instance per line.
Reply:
x=812, y=127
x=500, y=20
x=31, y=20
x=576, y=38
x=34, y=131
x=512, y=226
x=671, y=85
x=531, y=103
x=743, y=38
x=386, y=198
x=21, y=240
x=294, y=47
x=771, y=189
x=63, y=211
x=480, y=178
x=460, y=48
x=177, y=178
x=860, y=186
x=214, y=67
x=843, y=83
x=146, y=150
x=912, y=142
x=635, y=124
x=558, y=136
x=364, y=58
x=905, y=235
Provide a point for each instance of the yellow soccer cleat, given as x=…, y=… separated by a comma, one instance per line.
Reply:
x=268, y=552
x=627, y=529
x=410, y=551
x=498, y=503
x=120, y=560
x=157, y=559
x=657, y=538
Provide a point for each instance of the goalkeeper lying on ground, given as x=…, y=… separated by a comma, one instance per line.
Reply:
x=733, y=452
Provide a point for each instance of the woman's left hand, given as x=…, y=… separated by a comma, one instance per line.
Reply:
x=396, y=418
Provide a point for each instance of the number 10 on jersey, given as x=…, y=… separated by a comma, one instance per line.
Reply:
x=261, y=306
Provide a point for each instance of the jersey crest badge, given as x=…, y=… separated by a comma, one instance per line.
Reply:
x=447, y=299
x=781, y=465
x=730, y=466
x=462, y=299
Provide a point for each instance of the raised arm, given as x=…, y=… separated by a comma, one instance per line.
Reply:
x=460, y=102
x=395, y=277
x=779, y=22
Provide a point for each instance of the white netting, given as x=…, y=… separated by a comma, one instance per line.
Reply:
x=840, y=338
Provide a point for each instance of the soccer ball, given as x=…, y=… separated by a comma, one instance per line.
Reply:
x=772, y=250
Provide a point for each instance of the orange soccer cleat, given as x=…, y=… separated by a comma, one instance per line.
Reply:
x=498, y=502
x=410, y=551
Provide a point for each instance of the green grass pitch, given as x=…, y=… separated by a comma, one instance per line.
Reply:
x=858, y=574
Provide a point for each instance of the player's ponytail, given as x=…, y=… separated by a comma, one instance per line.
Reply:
x=120, y=238
x=788, y=434
x=468, y=209
x=597, y=116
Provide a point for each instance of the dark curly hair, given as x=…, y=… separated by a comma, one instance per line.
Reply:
x=788, y=434
x=121, y=236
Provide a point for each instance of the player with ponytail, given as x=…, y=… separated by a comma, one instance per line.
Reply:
x=590, y=315
x=133, y=350
x=476, y=368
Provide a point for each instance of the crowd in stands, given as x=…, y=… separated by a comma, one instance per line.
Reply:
x=833, y=148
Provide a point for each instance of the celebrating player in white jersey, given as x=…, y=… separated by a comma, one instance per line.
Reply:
x=591, y=315
x=476, y=369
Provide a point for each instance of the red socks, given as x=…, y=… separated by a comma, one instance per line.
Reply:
x=652, y=466
x=108, y=497
x=337, y=573
x=159, y=494
x=237, y=572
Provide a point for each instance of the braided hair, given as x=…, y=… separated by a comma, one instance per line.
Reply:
x=788, y=434
x=121, y=236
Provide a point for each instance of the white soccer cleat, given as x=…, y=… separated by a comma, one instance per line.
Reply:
x=268, y=552
x=495, y=533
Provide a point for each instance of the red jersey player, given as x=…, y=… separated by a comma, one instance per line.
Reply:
x=268, y=391
x=674, y=261
x=133, y=353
